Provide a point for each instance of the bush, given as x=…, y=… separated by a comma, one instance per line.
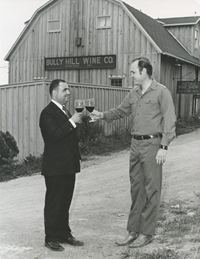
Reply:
x=8, y=148
x=94, y=141
x=8, y=151
x=89, y=131
x=19, y=168
x=187, y=124
x=10, y=167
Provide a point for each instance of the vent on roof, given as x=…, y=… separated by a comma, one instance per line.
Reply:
x=54, y=26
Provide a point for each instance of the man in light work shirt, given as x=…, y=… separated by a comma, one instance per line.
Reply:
x=153, y=127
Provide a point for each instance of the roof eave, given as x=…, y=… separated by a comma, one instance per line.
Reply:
x=178, y=24
x=182, y=59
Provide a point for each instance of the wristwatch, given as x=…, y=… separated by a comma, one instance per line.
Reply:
x=163, y=147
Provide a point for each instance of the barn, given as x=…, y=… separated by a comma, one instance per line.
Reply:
x=94, y=41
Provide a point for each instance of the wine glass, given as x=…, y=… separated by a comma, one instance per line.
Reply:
x=79, y=105
x=89, y=105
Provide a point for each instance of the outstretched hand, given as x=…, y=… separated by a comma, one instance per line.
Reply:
x=96, y=115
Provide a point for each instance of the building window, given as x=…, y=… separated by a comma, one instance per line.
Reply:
x=196, y=38
x=54, y=26
x=104, y=22
x=116, y=82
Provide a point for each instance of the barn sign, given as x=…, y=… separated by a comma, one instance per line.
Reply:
x=188, y=87
x=84, y=62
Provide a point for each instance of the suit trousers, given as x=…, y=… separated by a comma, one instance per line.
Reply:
x=59, y=193
x=146, y=182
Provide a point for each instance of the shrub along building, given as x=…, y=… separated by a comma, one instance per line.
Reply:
x=94, y=41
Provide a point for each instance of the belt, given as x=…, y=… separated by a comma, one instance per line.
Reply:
x=141, y=137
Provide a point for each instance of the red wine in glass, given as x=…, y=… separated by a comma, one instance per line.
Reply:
x=79, y=109
x=89, y=108
x=79, y=105
x=89, y=105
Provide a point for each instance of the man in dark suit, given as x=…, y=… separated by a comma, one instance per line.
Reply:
x=61, y=162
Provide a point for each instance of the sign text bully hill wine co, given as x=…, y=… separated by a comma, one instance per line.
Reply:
x=84, y=62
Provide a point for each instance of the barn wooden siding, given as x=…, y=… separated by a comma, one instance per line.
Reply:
x=21, y=105
x=78, y=19
x=186, y=35
x=172, y=73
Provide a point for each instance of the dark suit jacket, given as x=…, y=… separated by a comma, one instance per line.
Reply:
x=61, y=152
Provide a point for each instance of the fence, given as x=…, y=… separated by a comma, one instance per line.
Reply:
x=21, y=104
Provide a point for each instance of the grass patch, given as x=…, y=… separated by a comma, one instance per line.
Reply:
x=156, y=254
x=178, y=235
x=180, y=221
x=182, y=225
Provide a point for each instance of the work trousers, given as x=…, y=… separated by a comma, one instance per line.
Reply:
x=146, y=182
x=59, y=193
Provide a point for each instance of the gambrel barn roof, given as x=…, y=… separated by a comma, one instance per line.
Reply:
x=161, y=38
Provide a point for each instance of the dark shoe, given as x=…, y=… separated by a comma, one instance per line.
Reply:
x=128, y=239
x=71, y=241
x=53, y=245
x=142, y=240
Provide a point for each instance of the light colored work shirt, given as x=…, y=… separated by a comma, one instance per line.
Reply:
x=152, y=112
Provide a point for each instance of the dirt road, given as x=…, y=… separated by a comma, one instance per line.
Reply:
x=100, y=205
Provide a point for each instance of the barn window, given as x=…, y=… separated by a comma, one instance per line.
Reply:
x=103, y=22
x=54, y=26
x=116, y=82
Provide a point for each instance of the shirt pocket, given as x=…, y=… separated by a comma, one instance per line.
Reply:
x=151, y=105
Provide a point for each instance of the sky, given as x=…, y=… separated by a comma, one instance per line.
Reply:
x=14, y=13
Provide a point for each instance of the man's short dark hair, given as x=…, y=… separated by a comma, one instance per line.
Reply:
x=54, y=84
x=144, y=63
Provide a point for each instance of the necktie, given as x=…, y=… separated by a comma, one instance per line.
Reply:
x=66, y=111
